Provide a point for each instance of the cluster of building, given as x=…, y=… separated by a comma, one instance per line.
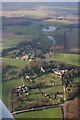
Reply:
x=59, y=72
x=56, y=95
x=21, y=89
x=30, y=56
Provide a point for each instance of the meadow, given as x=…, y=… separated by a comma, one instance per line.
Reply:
x=48, y=78
x=46, y=113
x=8, y=84
x=30, y=32
x=67, y=58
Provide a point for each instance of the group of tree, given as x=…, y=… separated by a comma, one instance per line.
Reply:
x=68, y=76
x=34, y=67
x=7, y=70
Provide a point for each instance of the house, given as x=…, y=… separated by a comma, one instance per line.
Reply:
x=31, y=54
x=27, y=93
x=59, y=95
x=45, y=94
x=58, y=72
x=59, y=100
x=17, y=57
x=42, y=69
x=27, y=77
x=50, y=99
x=25, y=57
x=26, y=88
x=63, y=71
x=19, y=87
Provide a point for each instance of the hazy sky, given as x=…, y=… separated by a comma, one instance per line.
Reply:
x=40, y=0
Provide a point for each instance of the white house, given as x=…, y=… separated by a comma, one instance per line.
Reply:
x=42, y=69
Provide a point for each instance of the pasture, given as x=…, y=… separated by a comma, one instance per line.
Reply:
x=46, y=113
x=48, y=78
x=30, y=32
x=67, y=58
x=9, y=84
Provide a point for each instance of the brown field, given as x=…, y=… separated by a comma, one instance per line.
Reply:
x=38, y=13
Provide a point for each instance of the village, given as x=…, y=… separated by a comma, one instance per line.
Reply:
x=34, y=94
x=45, y=82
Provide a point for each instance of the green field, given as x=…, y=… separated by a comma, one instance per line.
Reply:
x=47, y=113
x=77, y=79
x=16, y=63
x=47, y=79
x=33, y=31
x=67, y=58
x=7, y=85
x=29, y=32
x=53, y=89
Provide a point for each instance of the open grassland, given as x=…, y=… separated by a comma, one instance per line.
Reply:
x=16, y=63
x=30, y=32
x=47, y=113
x=9, y=84
x=67, y=58
x=52, y=89
x=48, y=78
x=6, y=87
x=77, y=79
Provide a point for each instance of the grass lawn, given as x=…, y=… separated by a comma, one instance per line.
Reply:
x=46, y=113
x=33, y=91
x=30, y=32
x=33, y=31
x=76, y=79
x=16, y=63
x=53, y=89
x=47, y=79
x=67, y=58
x=35, y=97
x=7, y=85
